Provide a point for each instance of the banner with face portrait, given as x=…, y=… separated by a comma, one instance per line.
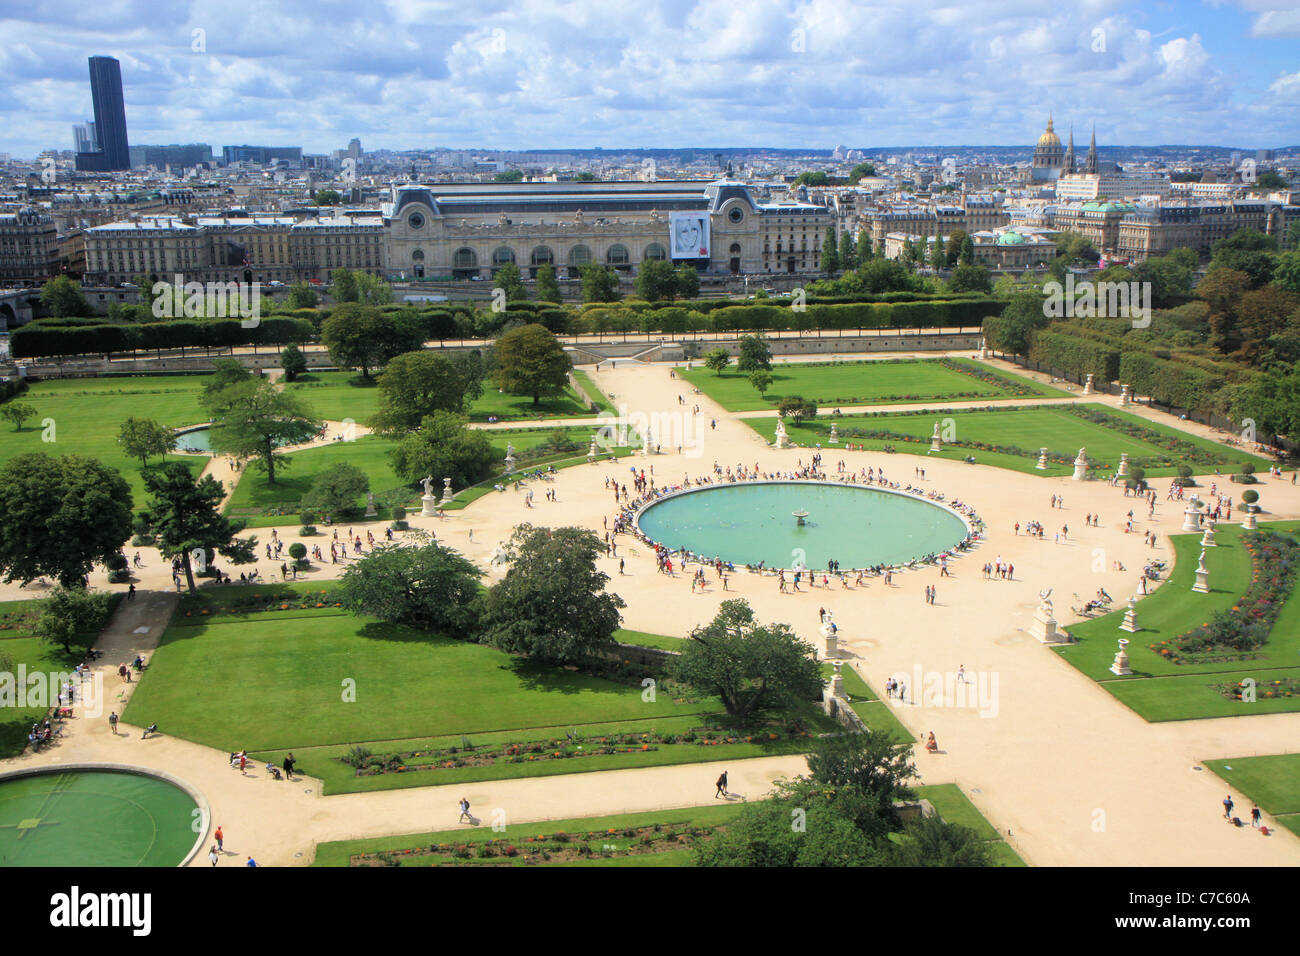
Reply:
x=688, y=235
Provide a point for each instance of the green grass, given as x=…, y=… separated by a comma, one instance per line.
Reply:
x=593, y=391
x=859, y=383
x=1028, y=428
x=1160, y=689
x=267, y=683
x=660, y=641
x=1272, y=782
x=955, y=807
x=87, y=414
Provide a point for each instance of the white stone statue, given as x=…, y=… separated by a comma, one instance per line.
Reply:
x=936, y=431
x=428, y=487
x=1081, y=457
x=1045, y=601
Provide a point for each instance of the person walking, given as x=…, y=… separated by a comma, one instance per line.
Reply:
x=1254, y=816
x=1227, y=808
x=289, y=764
x=212, y=854
x=722, y=785
x=243, y=760
x=112, y=722
x=221, y=840
x=464, y=811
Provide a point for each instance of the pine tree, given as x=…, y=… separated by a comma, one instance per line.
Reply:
x=830, y=253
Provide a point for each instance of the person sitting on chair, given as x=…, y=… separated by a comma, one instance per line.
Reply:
x=930, y=743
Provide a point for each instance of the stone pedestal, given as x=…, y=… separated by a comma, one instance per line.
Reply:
x=835, y=435
x=591, y=452
x=836, y=686
x=1045, y=629
x=830, y=640
x=1130, y=618
x=1087, y=386
x=782, y=439
x=446, y=492
x=1202, y=585
x=935, y=443
x=1120, y=668
x=1042, y=460
x=1192, y=516
x=371, y=511
x=1126, y=395
x=1123, y=465
x=1249, y=523
x=510, y=464
x=1081, y=466
x=1207, y=539
x=429, y=505
x=984, y=349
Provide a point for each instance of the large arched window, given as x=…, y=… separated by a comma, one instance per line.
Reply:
x=655, y=251
x=417, y=255
x=735, y=248
x=579, y=256
x=618, y=255
x=501, y=256
x=464, y=258
x=542, y=256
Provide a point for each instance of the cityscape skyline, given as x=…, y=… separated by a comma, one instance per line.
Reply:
x=748, y=75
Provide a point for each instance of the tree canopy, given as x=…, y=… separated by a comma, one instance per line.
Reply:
x=552, y=603
x=186, y=517
x=443, y=447
x=59, y=516
x=364, y=337
x=253, y=419
x=416, y=384
x=531, y=361
x=429, y=587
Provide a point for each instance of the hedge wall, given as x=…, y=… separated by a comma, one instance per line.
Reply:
x=1075, y=356
x=1169, y=383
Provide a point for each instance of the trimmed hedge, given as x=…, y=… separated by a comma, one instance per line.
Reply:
x=37, y=339
x=1075, y=356
x=1169, y=383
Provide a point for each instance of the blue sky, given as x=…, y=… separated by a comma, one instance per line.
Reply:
x=515, y=74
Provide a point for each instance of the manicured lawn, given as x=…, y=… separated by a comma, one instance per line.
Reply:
x=495, y=403
x=262, y=504
x=266, y=683
x=1160, y=689
x=87, y=413
x=1026, y=429
x=882, y=382
x=1273, y=782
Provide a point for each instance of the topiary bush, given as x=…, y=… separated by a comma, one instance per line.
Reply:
x=1250, y=496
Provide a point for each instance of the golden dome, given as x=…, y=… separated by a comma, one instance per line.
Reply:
x=1049, y=138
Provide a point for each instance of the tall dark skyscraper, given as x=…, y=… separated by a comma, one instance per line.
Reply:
x=110, y=118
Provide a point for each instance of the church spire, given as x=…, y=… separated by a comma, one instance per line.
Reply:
x=1091, y=166
x=1070, y=163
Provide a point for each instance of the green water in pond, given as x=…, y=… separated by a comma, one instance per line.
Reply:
x=94, y=818
x=748, y=523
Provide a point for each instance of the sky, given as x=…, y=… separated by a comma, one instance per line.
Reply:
x=521, y=74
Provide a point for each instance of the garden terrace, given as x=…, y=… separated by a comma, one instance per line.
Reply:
x=1273, y=782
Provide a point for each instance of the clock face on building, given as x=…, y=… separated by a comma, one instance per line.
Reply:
x=415, y=220
x=736, y=215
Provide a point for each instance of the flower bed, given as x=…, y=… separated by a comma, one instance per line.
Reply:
x=558, y=847
x=1270, y=690
x=1236, y=633
x=566, y=748
x=1181, y=450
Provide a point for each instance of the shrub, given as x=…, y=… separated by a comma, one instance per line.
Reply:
x=306, y=531
x=357, y=756
x=298, y=550
x=398, y=512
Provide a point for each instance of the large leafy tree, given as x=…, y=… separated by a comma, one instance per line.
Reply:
x=185, y=514
x=253, y=419
x=875, y=765
x=444, y=448
x=417, y=384
x=73, y=616
x=62, y=297
x=301, y=296
x=531, y=361
x=717, y=359
x=292, y=361
x=225, y=372
x=755, y=353
x=799, y=825
x=753, y=667
x=970, y=278
x=656, y=281
x=552, y=603
x=336, y=490
x=508, y=279
x=60, y=515
x=547, y=285
x=848, y=251
x=687, y=281
x=932, y=841
x=364, y=337
x=430, y=587
x=143, y=437
x=599, y=283
x=1013, y=330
